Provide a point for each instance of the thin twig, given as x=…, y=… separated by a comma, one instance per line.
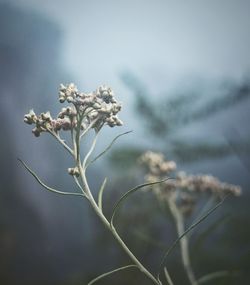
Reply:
x=89, y=152
x=170, y=282
x=214, y=275
x=47, y=187
x=61, y=141
x=111, y=272
x=79, y=185
x=100, y=194
x=109, y=146
x=124, y=196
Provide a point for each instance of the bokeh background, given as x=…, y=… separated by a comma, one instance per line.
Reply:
x=181, y=69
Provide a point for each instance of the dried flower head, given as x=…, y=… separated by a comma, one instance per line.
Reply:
x=156, y=163
x=74, y=171
x=205, y=183
x=185, y=189
x=93, y=110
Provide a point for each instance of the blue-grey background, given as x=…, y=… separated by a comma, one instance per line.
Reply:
x=149, y=52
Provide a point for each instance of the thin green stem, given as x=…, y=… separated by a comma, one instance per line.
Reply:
x=110, y=272
x=77, y=137
x=79, y=185
x=100, y=194
x=170, y=282
x=214, y=275
x=109, y=146
x=113, y=230
x=73, y=140
x=84, y=163
x=125, y=196
x=82, y=171
x=61, y=141
x=46, y=186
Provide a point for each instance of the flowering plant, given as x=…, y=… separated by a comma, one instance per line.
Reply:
x=93, y=111
x=182, y=195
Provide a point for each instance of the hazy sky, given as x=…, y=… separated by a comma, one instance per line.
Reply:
x=164, y=43
x=159, y=38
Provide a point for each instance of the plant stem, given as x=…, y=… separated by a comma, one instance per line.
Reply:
x=183, y=242
x=61, y=141
x=214, y=275
x=98, y=211
x=110, y=272
x=170, y=282
x=112, y=229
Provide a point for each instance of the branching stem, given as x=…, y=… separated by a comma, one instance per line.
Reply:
x=61, y=141
x=98, y=211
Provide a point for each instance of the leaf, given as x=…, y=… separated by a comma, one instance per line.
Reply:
x=118, y=204
x=108, y=147
x=110, y=272
x=101, y=193
x=168, y=278
x=169, y=250
x=47, y=187
x=214, y=275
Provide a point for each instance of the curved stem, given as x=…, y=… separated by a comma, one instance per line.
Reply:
x=46, y=186
x=108, y=147
x=110, y=272
x=211, y=276
x=107, y=224
x=170, y=282
x=112, y=229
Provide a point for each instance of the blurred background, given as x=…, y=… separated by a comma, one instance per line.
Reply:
x=182, y=72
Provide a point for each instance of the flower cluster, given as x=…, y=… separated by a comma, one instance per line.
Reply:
x=99, y=106
x=92, y=110
x=45, y=123
x=185, y=189
x=205, y=183
x=156, y=163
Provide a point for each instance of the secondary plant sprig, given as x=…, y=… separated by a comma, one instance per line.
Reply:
x=181, y=195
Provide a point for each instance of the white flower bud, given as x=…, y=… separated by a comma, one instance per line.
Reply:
x=73, y=171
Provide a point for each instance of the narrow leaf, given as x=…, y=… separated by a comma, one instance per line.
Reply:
x=110, y=272
x=109, y=146
x=214, y=275
x=169, y=250
x=119, y=203
x=45, y=186
x=101, y=193
x=168, y=278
